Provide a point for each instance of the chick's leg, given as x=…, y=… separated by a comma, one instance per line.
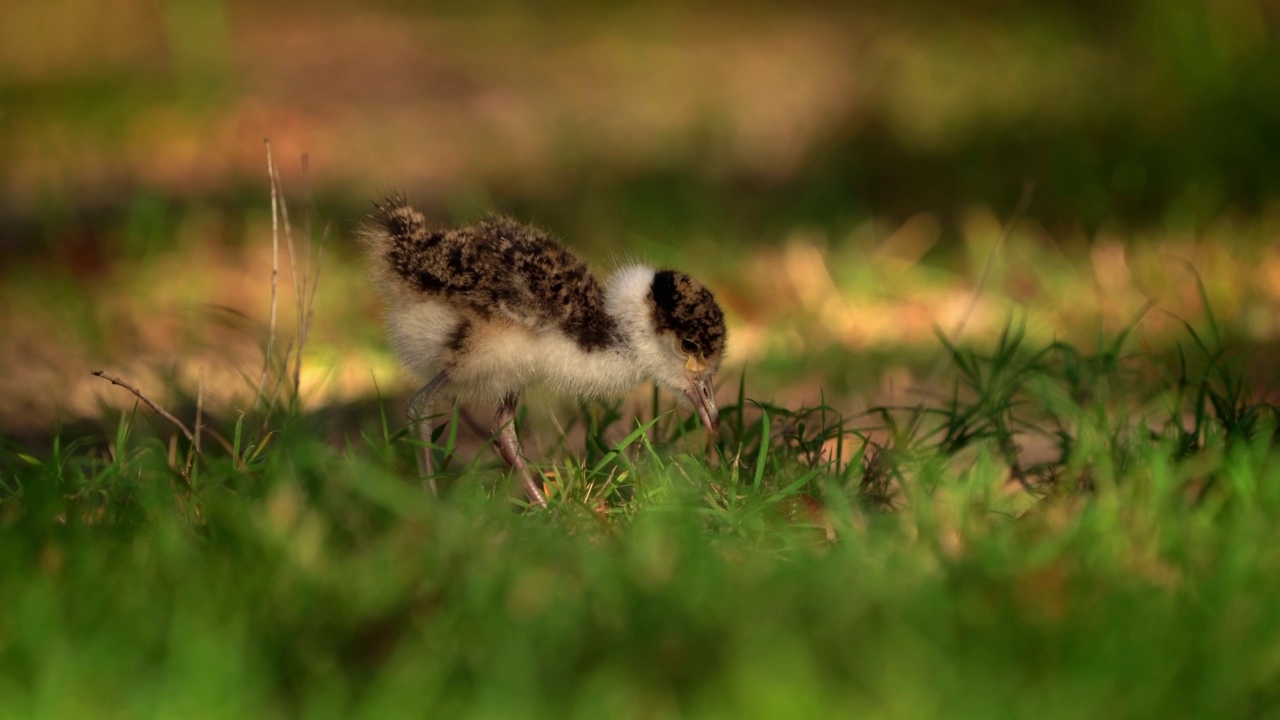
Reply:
x=419, y=412
x=508, y=446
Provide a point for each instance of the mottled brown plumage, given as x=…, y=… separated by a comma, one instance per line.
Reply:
x=499, y=267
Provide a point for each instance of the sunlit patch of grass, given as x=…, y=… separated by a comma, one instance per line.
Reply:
x=826, y=301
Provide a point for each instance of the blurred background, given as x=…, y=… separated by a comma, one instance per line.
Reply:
x=840, y=174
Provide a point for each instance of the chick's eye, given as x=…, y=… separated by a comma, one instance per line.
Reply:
x=688, y=346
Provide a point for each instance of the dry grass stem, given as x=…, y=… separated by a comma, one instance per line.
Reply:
x=1024, y=202
x=304, y=266
x=195, y=441
x=275, y=271
x=277, y=380
x=298, y=277
x=188, y=468
x=311, y=280
x=304, y=286
x=300, y=284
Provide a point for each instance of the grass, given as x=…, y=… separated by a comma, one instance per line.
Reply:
x=910, y=562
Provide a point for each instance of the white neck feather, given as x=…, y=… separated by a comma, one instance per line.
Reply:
x=627, y=301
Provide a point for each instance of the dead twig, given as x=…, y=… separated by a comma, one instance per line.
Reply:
x=156, y=408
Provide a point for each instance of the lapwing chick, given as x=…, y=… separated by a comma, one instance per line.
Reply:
x=481, y=312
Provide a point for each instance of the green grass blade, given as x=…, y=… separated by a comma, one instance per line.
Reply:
x=763, y=455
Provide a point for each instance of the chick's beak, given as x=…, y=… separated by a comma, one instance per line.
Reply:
x=702, y=393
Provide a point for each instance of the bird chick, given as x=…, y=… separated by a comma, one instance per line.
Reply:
x=484, y=311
